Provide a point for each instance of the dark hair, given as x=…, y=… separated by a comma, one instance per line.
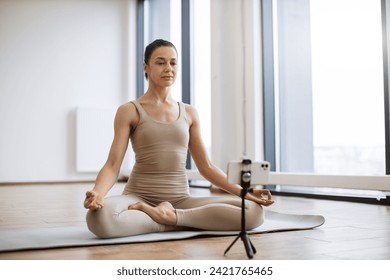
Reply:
x=153, y=46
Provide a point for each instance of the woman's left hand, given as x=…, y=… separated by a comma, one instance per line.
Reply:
x=261, y=196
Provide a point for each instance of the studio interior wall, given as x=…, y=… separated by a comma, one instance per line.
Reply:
x=54, y=57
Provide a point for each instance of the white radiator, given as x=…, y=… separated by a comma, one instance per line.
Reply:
x=94, y=135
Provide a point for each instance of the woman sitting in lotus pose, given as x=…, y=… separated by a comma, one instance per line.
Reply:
x=156, y=197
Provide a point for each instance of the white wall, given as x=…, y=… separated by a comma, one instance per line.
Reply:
x=55, y=56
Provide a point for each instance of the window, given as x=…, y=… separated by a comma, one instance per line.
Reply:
x=324, y=90
x=347, y=79
x=328, y=87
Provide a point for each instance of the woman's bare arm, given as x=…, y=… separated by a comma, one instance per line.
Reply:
x=126, y=117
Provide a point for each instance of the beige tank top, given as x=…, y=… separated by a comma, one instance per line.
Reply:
x=159, y=173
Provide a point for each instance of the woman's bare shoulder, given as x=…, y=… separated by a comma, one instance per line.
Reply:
x=190, y=109
x=127, y=112
x=192, y=113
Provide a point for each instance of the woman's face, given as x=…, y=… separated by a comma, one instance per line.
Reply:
x=162, y=66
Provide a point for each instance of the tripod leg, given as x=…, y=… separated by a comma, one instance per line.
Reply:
x=231, y=245
x=250, y=249
x=253, y=247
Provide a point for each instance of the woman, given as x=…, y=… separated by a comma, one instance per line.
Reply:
x=156, y=196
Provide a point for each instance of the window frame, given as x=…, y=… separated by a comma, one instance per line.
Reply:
x=385, y=7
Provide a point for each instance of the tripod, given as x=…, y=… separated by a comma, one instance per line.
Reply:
x=246, y=187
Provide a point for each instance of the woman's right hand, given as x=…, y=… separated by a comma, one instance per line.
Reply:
x=93, y=200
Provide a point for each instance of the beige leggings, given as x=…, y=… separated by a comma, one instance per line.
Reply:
x=208, y=213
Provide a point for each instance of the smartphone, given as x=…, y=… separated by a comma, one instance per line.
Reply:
x=259, y=172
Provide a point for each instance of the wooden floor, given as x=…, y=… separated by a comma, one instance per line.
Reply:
x=352, y=231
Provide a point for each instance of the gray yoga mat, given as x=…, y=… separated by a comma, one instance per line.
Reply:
x=59, y=237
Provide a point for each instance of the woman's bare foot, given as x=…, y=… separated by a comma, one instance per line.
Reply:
x=164, y=213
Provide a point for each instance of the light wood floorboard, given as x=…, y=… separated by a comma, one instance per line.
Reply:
x=353, y=231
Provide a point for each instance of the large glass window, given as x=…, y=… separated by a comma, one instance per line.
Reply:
x=347, y=78
x=328, y=86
